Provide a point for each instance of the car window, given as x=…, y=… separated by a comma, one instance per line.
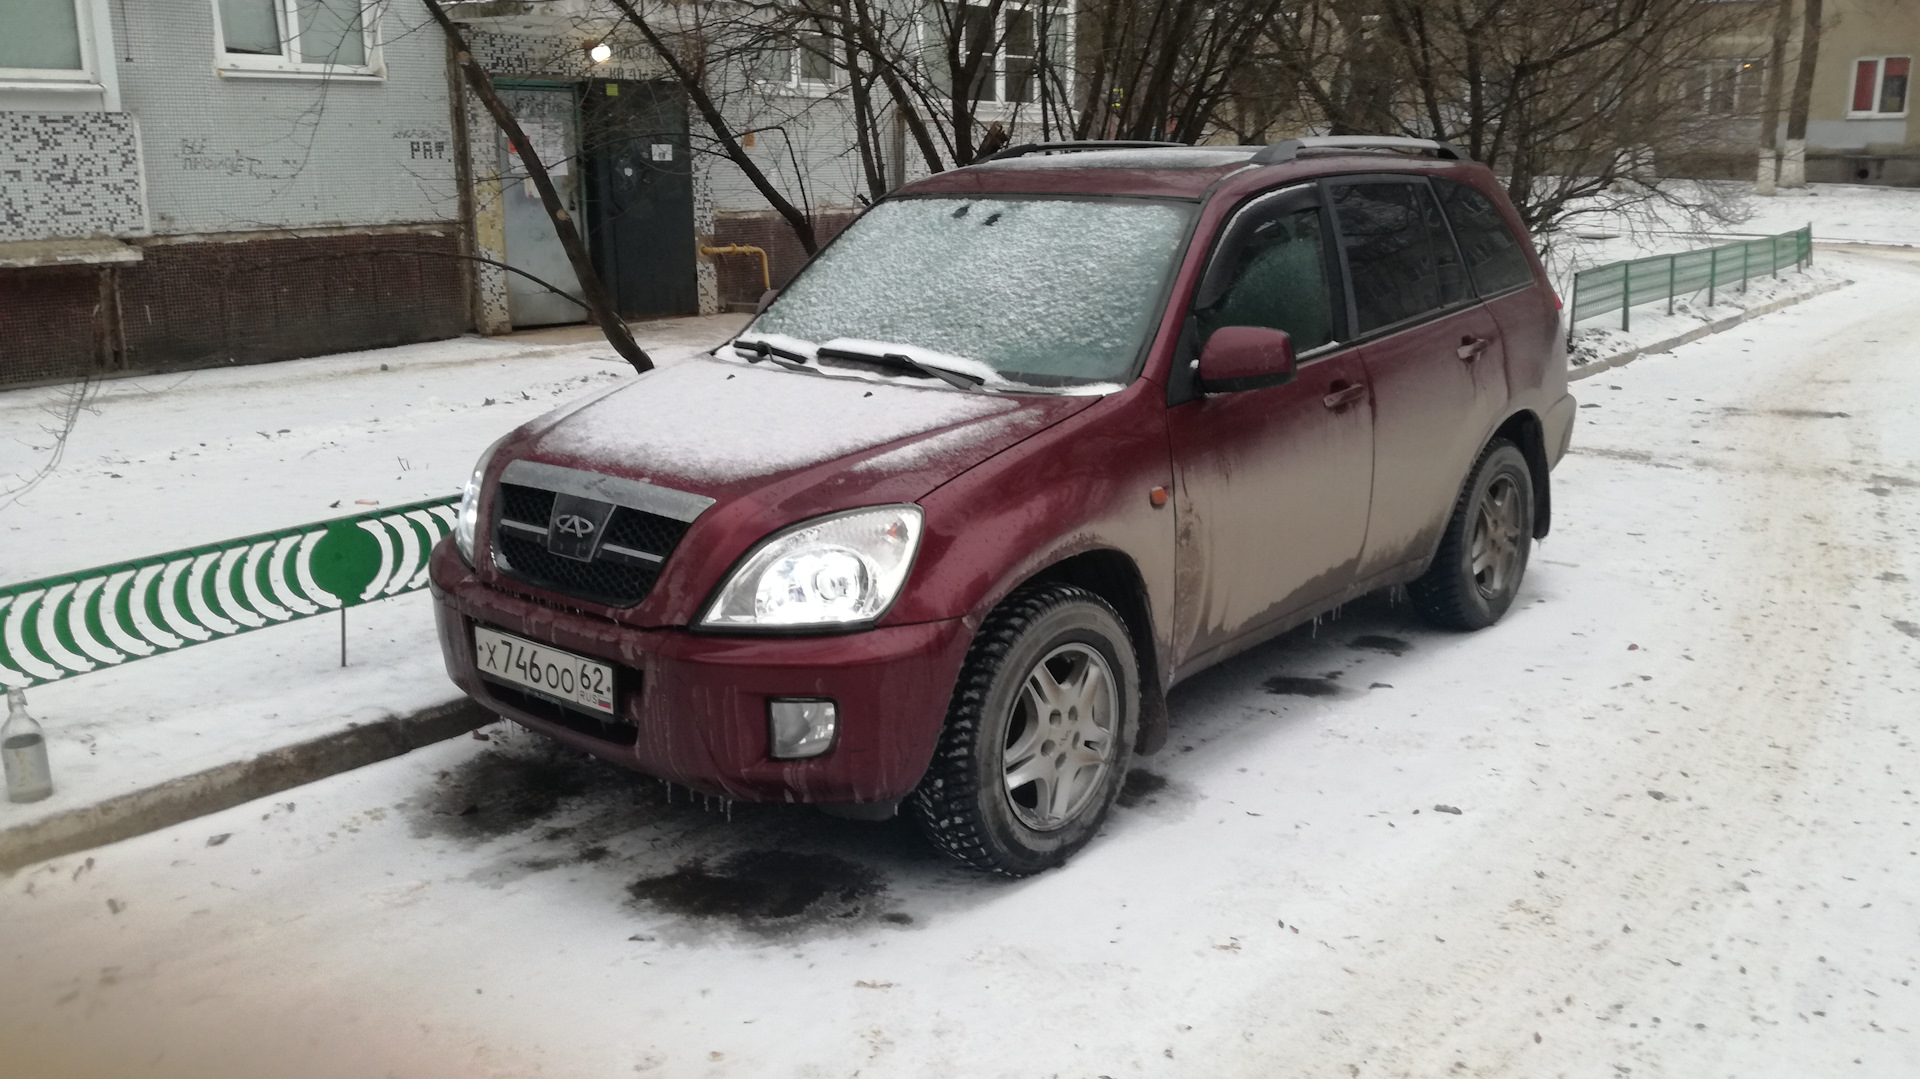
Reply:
x=1279, y=280
x=1495, y=259
x=1400, y=258
x=1049, y=291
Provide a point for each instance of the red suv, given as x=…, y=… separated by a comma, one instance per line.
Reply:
x=1030, y=442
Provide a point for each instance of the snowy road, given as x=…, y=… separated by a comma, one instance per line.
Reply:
x=1659, y=822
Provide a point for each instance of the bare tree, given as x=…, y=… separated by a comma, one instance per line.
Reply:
x=1768, y=168
x=1167, y=69
x=592, y=291
x=1567, y=99
x=1793, y=164
x=690, y=70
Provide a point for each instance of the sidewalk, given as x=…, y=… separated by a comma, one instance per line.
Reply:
x=162, y=462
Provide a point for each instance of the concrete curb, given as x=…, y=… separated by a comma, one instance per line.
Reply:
x=1621, y=359
x=228, y=785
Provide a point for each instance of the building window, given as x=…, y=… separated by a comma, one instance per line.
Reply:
x=1732, y=87
x=297, y=37
x=1880, y=87
x=1009, y=44
x=54, y=45
x=798, y=61
x=813, y=67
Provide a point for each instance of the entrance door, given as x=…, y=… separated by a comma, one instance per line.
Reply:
x=640, y=196
x=548, y=117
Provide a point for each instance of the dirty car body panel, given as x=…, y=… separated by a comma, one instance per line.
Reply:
x=1208, y=521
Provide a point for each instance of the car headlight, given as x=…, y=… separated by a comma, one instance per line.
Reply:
x=841, y=569
x=468, y=520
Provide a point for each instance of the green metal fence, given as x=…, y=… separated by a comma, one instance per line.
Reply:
x=1623, y=285
x=60, y=626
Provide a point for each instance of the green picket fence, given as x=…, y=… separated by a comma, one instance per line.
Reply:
x=1622, y=286
x=72, y=623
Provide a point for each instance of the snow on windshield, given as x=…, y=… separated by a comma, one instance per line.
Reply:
x=712, y=421
x=1050, y=291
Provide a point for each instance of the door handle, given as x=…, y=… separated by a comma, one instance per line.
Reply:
x=1471, y=347
x=1344, y=393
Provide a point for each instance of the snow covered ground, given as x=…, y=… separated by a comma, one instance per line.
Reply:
x=1599, y=234
x=160, y=463
x=1658, y=822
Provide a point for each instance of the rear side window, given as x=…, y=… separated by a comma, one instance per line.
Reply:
x=1400, y=260
x=1279, y=280
x=1494, y=257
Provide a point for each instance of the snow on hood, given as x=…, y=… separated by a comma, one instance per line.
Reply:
x=709, y=422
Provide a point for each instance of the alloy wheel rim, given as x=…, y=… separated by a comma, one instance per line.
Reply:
x=1059, y=743
x=1495, y=551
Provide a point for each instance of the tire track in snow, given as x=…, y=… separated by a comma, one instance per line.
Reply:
x=1642, y=914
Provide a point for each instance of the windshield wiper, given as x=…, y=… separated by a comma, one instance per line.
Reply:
x=903, y=361
x=766, y=350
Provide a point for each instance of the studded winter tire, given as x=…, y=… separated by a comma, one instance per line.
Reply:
x=1038, y=736
x=1483, y=553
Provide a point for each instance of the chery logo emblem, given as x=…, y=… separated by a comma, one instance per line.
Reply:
x=574, y=525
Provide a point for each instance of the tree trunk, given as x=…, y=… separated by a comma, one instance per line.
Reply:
x=1768, y=165
x=591, y=289
x=703, y=102
x=1793, y=166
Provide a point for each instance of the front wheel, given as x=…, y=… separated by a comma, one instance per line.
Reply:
x=1483, y=554
x=1038, y=736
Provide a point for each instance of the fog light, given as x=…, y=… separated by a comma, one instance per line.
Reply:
x=801, y=728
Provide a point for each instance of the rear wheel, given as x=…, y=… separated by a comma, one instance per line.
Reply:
x=1038, y=736
x=1483, y=554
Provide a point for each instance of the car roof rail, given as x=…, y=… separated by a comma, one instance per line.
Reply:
x=1281, y=152
x=1026, y=148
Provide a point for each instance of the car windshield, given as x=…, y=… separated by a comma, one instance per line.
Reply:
x=1043, y=291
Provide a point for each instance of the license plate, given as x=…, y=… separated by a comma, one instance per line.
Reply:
x=544, y=669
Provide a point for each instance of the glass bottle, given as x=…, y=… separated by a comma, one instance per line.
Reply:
x=23, y=751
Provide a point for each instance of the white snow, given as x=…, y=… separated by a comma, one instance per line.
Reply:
x=712, y=421
x=158, y=463
x=1040, y=286
x=1685, y=841
x=1837, y=213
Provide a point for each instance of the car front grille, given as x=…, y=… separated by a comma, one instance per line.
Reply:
x=633, y=550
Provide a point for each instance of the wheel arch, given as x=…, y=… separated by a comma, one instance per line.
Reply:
x=1113, y=576
x=1524, y=430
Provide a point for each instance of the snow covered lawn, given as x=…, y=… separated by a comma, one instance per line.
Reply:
x=159, y=463
x=1659, y=822
x=1837, y=213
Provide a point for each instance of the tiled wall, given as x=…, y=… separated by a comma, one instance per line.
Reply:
x=207, y=304
x=51, y=325
x=69, y=174
x=228, y=153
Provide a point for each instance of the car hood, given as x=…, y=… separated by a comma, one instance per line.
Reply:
x=793, y=442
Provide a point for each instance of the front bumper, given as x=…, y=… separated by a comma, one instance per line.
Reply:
x=694, y=706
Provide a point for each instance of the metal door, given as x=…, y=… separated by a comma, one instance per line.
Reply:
x=1437, y=365
x=1274, y=483
x=640, y=196
x=550, y=119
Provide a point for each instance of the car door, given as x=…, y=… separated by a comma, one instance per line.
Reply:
x=1273, y=482
x=1432, y=354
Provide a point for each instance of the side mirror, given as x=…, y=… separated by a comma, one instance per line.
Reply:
x=1245, y=358
x=765, y=299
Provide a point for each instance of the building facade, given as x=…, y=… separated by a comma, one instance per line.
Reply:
x=186, y=183
x=196, y=183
